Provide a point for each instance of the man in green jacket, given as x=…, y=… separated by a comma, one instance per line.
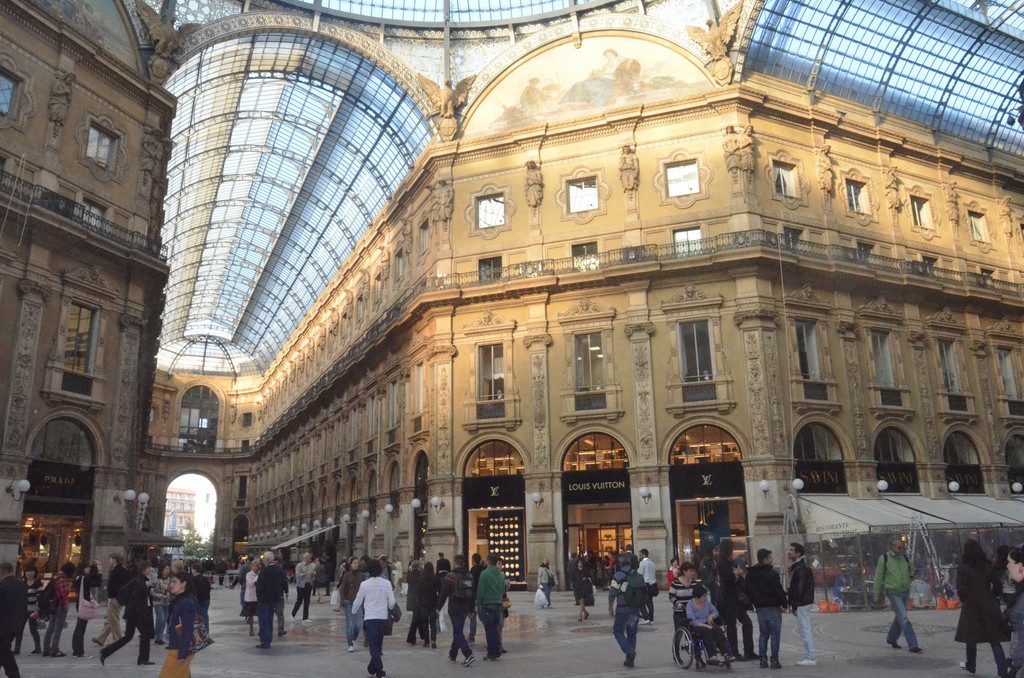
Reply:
x=892, y=577
x=489, y=591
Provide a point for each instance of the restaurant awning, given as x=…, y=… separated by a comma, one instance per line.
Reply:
x=301, y=537
x=839, y=514
x=1009, y=509
x=957, y=512
x=140, y=538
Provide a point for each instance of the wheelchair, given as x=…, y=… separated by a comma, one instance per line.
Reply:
x=688, y=650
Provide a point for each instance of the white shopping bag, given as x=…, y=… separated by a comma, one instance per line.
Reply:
x=539, y=599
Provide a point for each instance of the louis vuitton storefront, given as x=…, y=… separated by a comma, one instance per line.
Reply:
x=493, y=504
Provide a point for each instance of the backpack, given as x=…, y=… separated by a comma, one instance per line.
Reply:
x=46, y=599
x=462, y=585
x=635, y=593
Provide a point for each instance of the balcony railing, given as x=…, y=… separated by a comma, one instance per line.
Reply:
x=80, y=214
x=891, y=397
x=192, y=451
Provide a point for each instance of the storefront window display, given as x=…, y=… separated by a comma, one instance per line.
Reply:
x=595, y=494
x=493, y=500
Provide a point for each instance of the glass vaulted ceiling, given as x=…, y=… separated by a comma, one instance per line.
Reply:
x=950, y=65
x=285, y=148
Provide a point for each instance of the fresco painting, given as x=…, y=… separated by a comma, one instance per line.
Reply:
x=97, y=20
x=605, y=72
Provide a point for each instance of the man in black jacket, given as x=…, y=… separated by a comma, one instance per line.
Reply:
x=13, y=610
x=765, y=590
x=270, y=589
x=801, y=597
x=138, y=614
x=116, y=578
x=442, y=566
x=457, y=588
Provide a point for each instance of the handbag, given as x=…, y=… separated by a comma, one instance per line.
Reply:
x=335, y=597
x=200, y=635
x=87, y=609
x=394, y=615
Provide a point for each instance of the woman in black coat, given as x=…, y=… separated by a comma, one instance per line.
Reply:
x=412, y=603
x=730, y=582
x=977, y=585
x=582, y=588
x=428, y=592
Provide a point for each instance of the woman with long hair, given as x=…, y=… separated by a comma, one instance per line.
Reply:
x=249, y=596
x=86, y=583
x=429, y=591
x=32, y=584
x=582, y=589
x=730, y=581
x=977, y=584
x=181, y=618
x=161, y=596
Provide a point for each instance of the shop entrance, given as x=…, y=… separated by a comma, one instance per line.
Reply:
x=599, y=528
x=50, y=541
x=493, y=495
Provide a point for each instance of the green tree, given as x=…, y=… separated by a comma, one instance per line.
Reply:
x=196, y=545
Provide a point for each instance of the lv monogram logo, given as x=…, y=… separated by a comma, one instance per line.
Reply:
x=706, y=479
x=494, y=491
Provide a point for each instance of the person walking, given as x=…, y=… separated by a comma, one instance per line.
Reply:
x=457, y=591
x=800, y=597
x=396, y=575
x=32, y=586
x=350, y=583
x=181, y=617
x=764, y=587
x=161, y=598
x=117, y=577
x=271, y=585
x=201, y=586
x=489, y=592
x=442, y=566
x=375, y=600
x=650, y=575
x=1015, y=611
x=275, y=561
x=249, y=609
x=138, y=614
x=627, y=610
x=86, y=583
x=892, y=578
x=13, y=611
x=681, y=592
x=545, y=580
x=477, y=566
x=320, y=577
x=55, y=624
x=731, y=603
x=305, y=574
x=582, y=589
x=427, y=596
x=977, y=586
x=412, y=604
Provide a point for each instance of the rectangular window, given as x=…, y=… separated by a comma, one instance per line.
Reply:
x=582, y=195
x=416, y=384
x=807, y=349
x=1007, y=373
x=864, y=250
x=491, y=383
x=243, y=486
x=687, y=241
x=683, y=179
x=246, y=419
x=392, y=404
x=856, y=197
x=785, y=179
x=100, y=147
x=424, y=236
x=979, y=230
x=589, y=362
x=78, y=346
x=920, y=212
x=399, y=265
x=791, y=236
x=947, y=361
x=695, y=351
x=489, y=269
x=584, y=256
x=94, y=208
x=371, y=417
x=490, y=211
x=883, y=358
x=7, y=88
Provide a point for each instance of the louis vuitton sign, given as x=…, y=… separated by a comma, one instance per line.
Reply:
x=493, y=492
x=595, y=487
x=694, y=481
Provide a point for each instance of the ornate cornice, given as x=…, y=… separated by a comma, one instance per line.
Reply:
x=29, y=287
x=646, y=328
x=543, y=339
x=441, y=347
x=880, y=308
x=758, y=313
x=489, y=322
x=587, y=310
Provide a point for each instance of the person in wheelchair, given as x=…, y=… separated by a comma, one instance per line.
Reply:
x=702, y=614
x=681, y=592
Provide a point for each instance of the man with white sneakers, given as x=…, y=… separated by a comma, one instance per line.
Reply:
x=801, y=598
x=650, y=575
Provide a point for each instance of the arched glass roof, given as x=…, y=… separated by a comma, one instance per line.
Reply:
x=945, y=64
x=457, y=11
x=285, y=148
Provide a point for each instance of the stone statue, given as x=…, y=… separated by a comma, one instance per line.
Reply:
x=60, y=101
x=716, y=41
x=890, y=185
x=534, y=184
x=154, y=150
x=739, y=150
x=826, y=175
x=629, y=169
x=952, y=206
x=1007, y=218
x=441, y=204
x=166, y=40
x=446, y=100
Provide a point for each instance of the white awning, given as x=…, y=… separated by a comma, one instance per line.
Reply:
x=301, y=537
x=839, y=514
x=1009, y=509
x=953, y=512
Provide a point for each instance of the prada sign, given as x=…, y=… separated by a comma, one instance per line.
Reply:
x=901, y=477
x=595, y=487
x=60, y=481
x=694, y=481
x=969, y=478
x=493, y=492
x=826, y=477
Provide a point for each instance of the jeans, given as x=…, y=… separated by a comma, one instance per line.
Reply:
x=769, y=625
x=203, y=609
x=302, y=594
x=279, y=611
x=161, y=621
x=804, y=630
x=624, y=628
x=546, y=588
x=265, y=613
x=458, y=637
x=54, y=627
x=998, y=655
x=33, y=628
x=901, y=622
x=78, y=638
x=352, y=623
x=375, y=641
x=489, y=616
x=472, y=627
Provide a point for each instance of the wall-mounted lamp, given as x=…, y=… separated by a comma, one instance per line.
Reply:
x=389, y=509
x=1017, y=488
x=954, y=486
x=798, y=484
x=537, y=498
x=365, y=514
x=882, y=484
x=305, y=528
x=346, y=518
x=316, y=525
x=437, y=503
x=18, y=489
x=294, y=529
x=764, y=486
x=645, y=494
x=124, y=497
x=246, y=538
x=330, y=522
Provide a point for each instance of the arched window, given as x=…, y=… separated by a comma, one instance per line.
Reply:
x=1015, y=452
x=200, y=410
x=595, y=452
x=494, y=458
x=815, y=442
x=64, y=441
x=421, y=477
x=959, y=450
x=892, y=447
x=704, y=444
x=394, y=485
x=371, y=492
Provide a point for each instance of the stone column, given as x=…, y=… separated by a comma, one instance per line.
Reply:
x=441, y=535
x=126, y=397
x=860, y=473
x=22, y=376
x=541, y=530
x=931, y=470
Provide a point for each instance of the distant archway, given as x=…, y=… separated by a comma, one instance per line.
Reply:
x=190, y=514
